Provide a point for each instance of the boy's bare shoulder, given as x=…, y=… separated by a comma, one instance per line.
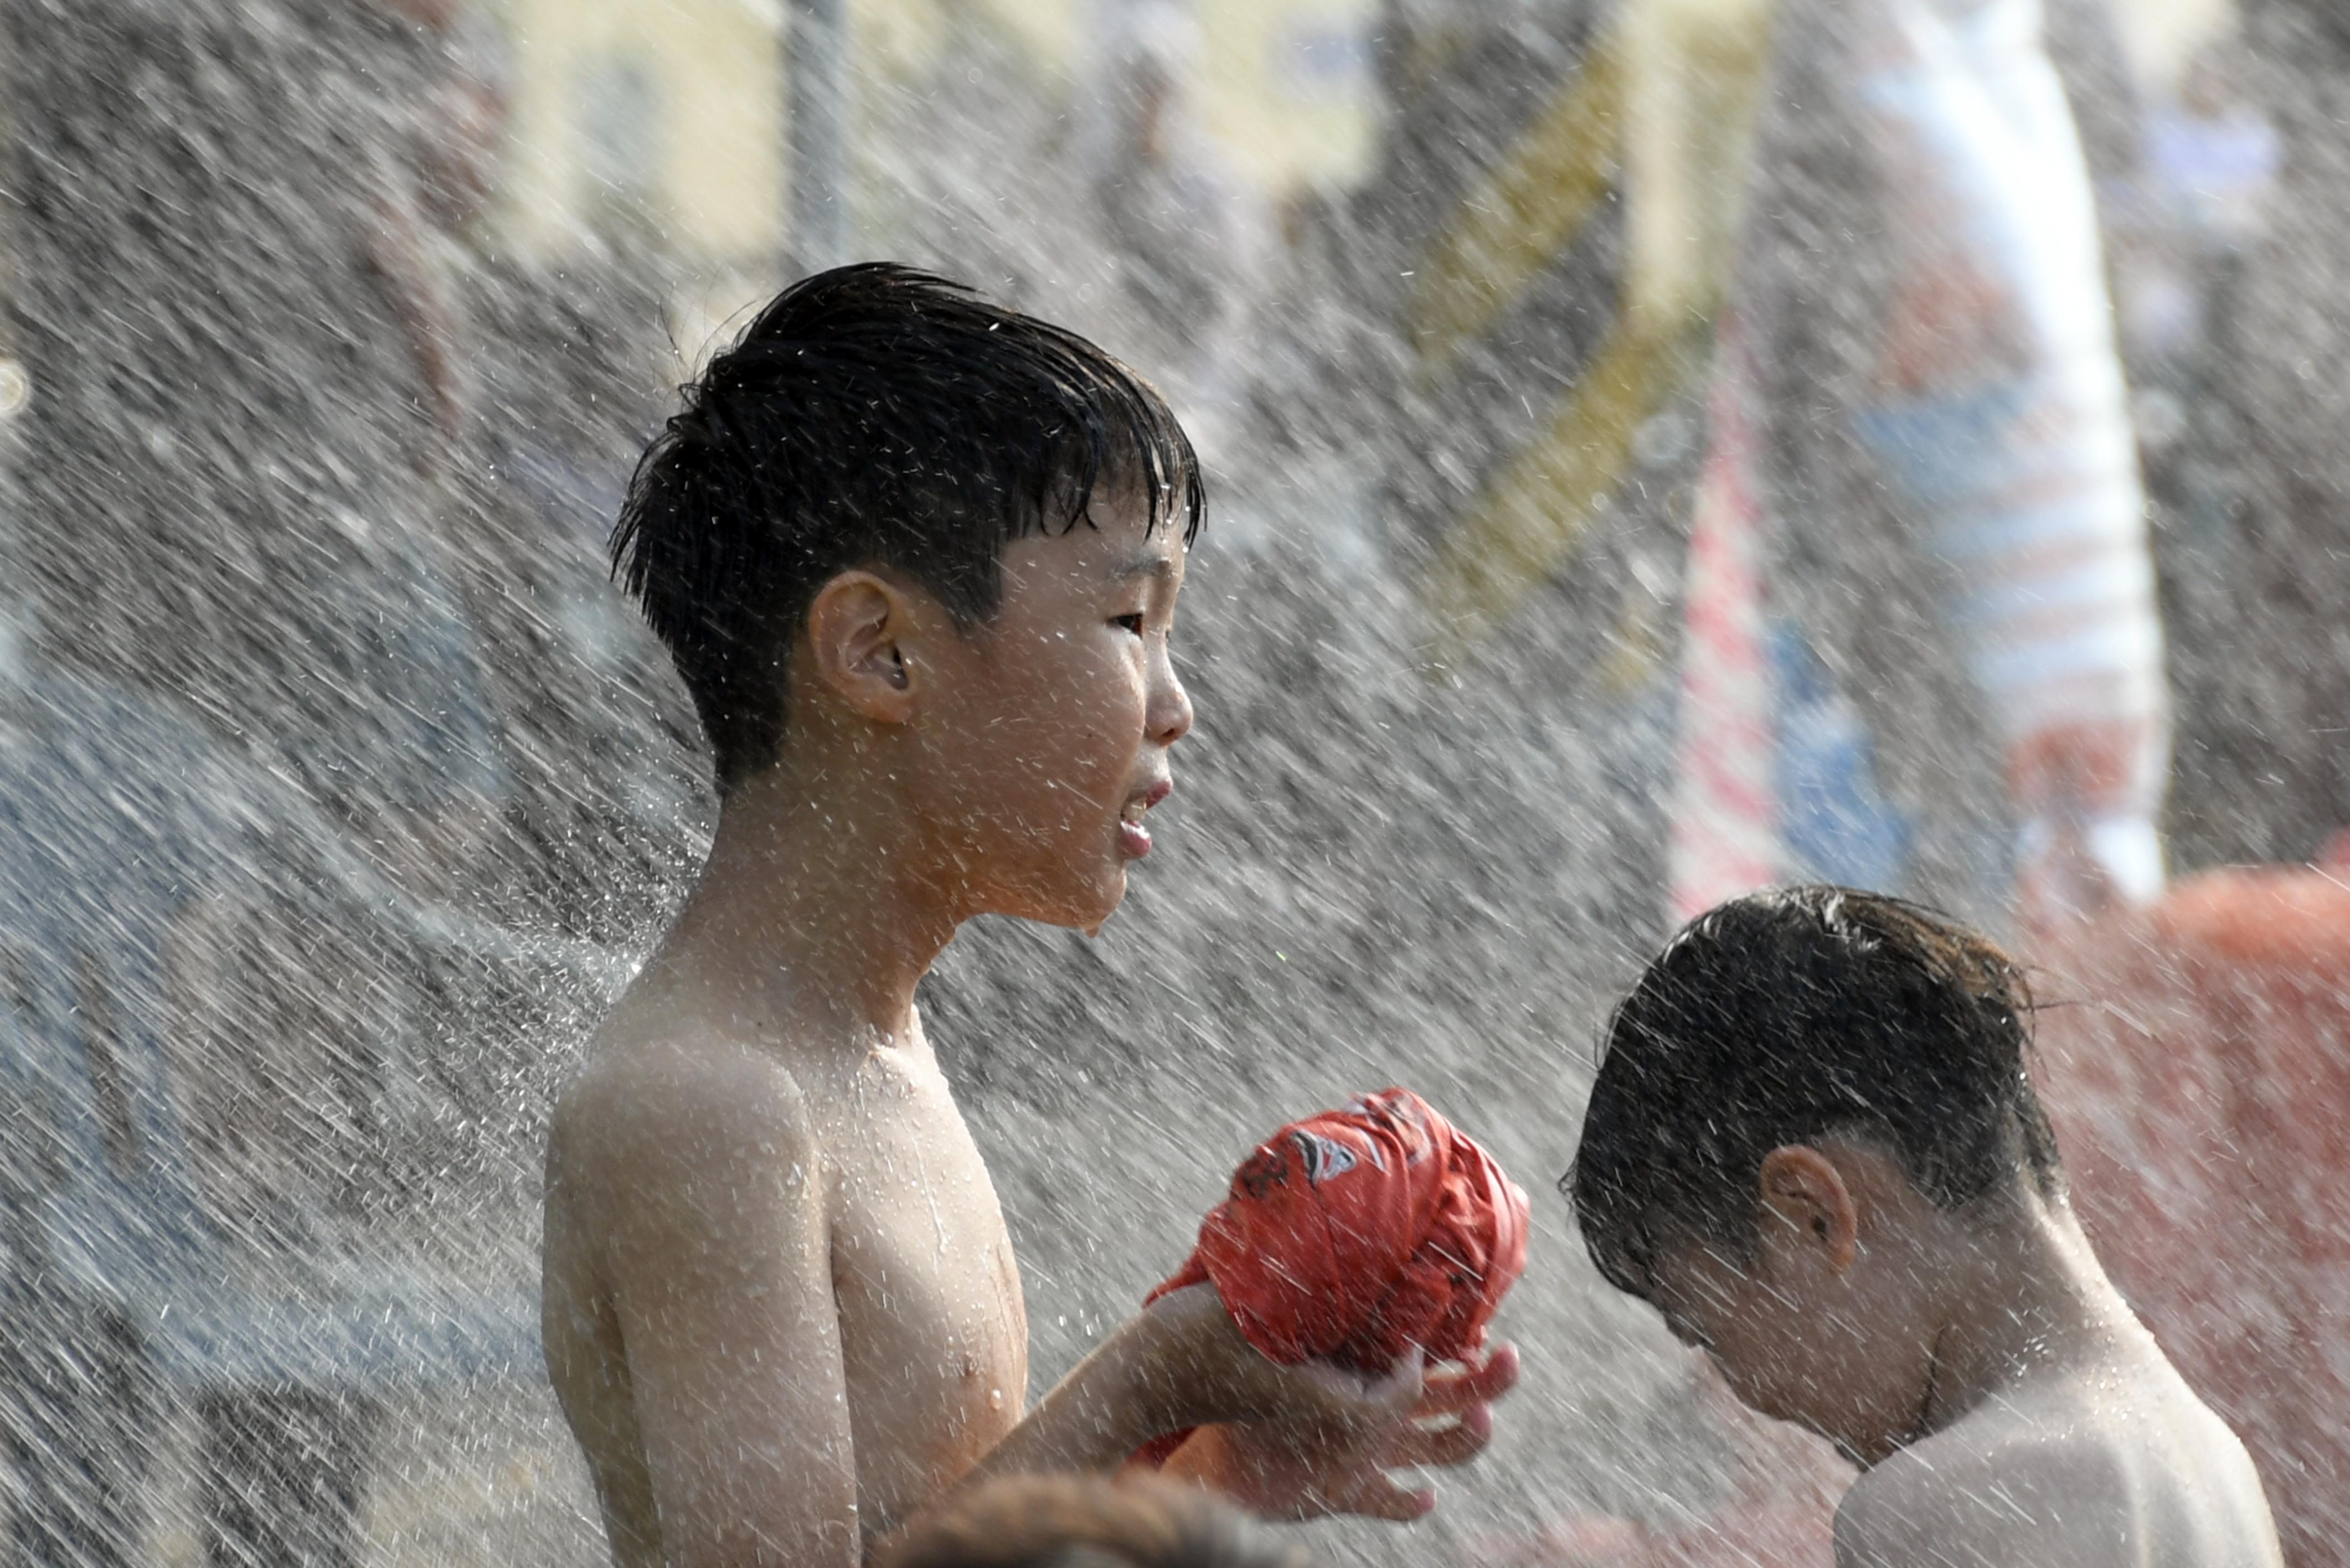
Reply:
x=2081, y=1472
x=1986, y=1492
x=684, y=1097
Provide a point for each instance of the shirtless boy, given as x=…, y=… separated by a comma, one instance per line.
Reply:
x=1813, y=1146
x=917, y=559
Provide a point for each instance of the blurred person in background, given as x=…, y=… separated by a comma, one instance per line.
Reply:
x=2195, y=220
x=1963, y=536
x=2265, y=760
x=1425, y=384
x=306, y=486
x=2197, y=201
x=2191, y=216
x=1189, y=235
x=557, y=362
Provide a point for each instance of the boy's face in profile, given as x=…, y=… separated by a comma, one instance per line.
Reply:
x=1823, y=1325
x=1754, y=1333
x=1050, y=741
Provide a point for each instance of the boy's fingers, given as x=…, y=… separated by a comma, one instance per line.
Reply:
x=1380, y=1498
x=1395, y=1397
x=1448, y=1393
x=1456, y=1444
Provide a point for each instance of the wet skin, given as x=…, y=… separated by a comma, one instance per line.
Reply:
x=781, y=1308
x=869, y=1345
x=2005, y=1407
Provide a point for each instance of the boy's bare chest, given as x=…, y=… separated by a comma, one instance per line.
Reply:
x=934, y=1334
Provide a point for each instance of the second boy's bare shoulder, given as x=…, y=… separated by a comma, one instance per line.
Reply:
x=2117, y=1463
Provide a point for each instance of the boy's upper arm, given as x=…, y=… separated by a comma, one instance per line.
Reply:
x=2029, y=1505
x=710, y=1199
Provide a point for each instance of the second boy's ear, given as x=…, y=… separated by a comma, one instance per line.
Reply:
x=1807, y=1207
x=857, y=628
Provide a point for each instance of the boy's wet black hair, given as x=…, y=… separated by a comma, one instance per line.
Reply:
x=872, y=415
x=1785, y=1016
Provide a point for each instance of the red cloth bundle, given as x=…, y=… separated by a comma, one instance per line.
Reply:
x=1353, y=1235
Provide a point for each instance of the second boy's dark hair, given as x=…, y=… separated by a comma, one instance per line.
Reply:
x=1785, y=1016
x=872, y=415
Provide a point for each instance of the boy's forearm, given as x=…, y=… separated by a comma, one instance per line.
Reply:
x=1117, y=1400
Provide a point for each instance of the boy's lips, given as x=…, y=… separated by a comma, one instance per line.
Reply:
x=1132, y=835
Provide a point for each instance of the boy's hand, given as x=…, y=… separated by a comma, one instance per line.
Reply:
x=1297, y=1442
x=1306, y=1469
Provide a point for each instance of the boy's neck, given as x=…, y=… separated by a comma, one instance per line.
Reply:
x=814, y=908
x=2038, y=1305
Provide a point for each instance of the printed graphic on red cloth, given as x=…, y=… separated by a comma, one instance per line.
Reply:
x=1353, y=1235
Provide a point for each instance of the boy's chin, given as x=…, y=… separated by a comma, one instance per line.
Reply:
x=1085, y=910
x=1097, y=914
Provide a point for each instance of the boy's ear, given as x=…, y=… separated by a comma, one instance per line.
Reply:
x=1808, y=1206
x=856, y=630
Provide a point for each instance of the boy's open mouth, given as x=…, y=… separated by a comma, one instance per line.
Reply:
x=1133, y=836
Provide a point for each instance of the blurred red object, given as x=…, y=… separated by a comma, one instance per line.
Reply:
x=2196, y=1060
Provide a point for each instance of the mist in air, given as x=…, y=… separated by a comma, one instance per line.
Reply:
x=1656, y=449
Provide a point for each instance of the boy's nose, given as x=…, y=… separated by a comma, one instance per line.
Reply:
x=1170, y=715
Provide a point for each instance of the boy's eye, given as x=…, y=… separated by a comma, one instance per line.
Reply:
x=1132, y=623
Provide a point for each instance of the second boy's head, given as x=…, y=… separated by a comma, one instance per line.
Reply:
x=1811, y=1121
x=929, y=550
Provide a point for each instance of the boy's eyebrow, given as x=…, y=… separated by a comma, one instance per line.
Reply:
x=1151, y=564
